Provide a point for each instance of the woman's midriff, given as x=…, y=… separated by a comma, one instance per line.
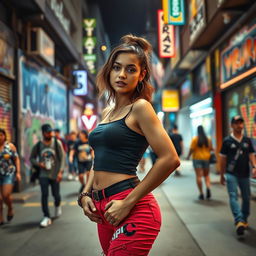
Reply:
x=104, y=179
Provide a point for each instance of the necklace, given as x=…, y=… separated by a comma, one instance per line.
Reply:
x=116, y=114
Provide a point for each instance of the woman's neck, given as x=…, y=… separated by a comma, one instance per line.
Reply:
x=122, y=102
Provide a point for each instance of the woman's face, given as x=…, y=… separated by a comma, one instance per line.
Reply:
x=82, y=136
x=125, y=73
x=2, y=138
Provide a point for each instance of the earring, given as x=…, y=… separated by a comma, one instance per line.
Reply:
x=140, y=87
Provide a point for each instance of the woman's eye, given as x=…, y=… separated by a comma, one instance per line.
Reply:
x=131, y=70
x=116, y=67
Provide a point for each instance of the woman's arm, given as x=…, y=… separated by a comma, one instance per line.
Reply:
x=17, y=162
x=160, y=142
x=87, y=203
x=167, y=161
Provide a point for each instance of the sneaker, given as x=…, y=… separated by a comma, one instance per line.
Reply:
x=208, y=193
x=246, y=224
x=58, y=211
x=201, y=197
x=76, y=178
x=177, y=173
x=45, y=222
x=70, y=176
x=240, y=227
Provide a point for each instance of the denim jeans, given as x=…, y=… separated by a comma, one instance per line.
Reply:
x=55, y=186
x=233, y=182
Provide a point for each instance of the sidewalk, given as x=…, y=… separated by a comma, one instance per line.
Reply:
x=210, y=222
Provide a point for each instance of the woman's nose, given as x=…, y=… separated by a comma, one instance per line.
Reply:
x=122, y=73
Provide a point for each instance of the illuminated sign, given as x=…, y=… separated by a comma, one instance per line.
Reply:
x=81, y=78
x=238, y=60
x=174, y=13
x=89, y=44
x=165, y=38
x=89, y=120
x=170, y=100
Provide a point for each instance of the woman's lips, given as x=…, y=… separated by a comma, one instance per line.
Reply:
x=120, y=83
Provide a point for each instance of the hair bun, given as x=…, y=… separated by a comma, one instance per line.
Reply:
x=137, y=41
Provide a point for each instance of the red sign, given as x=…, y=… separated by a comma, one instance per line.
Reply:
x=165, y=37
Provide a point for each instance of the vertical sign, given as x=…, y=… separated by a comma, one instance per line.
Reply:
x=174, y=12
x=89, y=44
x=165, y=37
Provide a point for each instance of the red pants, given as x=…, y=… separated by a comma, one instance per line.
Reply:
x=136, y=234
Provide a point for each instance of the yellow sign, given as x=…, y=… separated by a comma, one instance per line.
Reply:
x=170, y=100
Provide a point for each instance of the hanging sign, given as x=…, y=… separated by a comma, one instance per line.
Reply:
x=170, y=100
x=89, y=44
x=174, y=13
x=197, y=21
x=165, y=37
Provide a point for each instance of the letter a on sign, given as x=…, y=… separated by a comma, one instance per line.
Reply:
x=165, y=37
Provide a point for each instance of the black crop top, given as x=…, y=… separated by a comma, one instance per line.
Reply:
x=117, y=148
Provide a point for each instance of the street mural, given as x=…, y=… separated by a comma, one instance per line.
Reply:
x=43, y=100
x=5, y=117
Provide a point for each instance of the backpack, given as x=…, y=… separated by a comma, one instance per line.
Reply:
x=35, y=170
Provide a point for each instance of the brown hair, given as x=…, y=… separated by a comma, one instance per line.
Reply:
x=4, y=133
x=130, y=44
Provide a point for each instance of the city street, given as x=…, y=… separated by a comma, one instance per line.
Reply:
x=189, y=227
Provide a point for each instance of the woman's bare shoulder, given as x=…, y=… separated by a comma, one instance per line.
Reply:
x=142, y=104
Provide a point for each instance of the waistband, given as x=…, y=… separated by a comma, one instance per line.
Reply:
x=118, y=187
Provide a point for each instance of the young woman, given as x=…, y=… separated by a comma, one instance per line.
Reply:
x=84, y=156
x=200, y=149
x=127, y=213
x=9, y=170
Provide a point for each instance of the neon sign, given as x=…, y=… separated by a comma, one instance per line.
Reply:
x=238, y=60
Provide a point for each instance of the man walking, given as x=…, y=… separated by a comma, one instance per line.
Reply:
x=236, y=153
x=49, y=156
x=177, y=142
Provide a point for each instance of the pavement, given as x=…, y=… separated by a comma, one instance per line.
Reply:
x=209, y=222
x=190, y=227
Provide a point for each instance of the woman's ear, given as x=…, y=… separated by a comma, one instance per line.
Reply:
x=142, y=75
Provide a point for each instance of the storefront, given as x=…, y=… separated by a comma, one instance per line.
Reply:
x=238, y=80
x=196, y=98
x=6, y=79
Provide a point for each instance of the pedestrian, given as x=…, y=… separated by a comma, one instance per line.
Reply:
x=200, y=149
x=177, y=141
x=127, y=213
x=9, y=171
x=84, y=155
x=48, y=154
x=71, y=165
x=236, y=153
x=63, y=141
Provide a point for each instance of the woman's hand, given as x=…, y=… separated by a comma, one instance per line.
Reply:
x=89, y=209
x=18, y=177
x=116, y=211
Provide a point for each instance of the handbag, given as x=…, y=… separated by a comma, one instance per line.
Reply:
x=213, y=159
x=34, y=174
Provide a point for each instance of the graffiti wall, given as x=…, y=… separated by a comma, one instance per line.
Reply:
x=43, y=100
x=5, y=113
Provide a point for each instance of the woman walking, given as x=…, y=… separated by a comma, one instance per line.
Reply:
x=200, y=149
x=127, y=213
x=9, y=170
